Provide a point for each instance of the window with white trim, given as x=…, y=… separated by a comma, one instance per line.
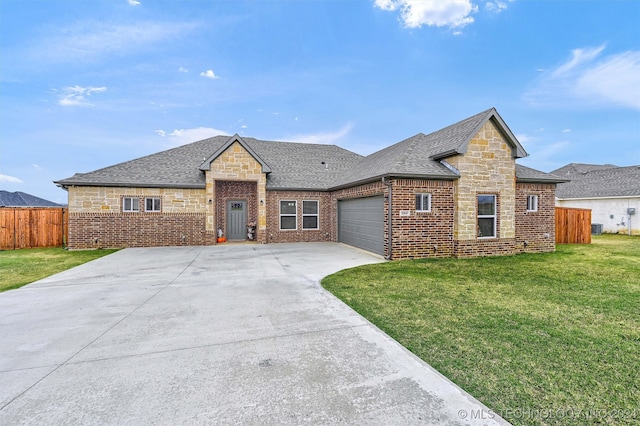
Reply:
x=423, y=202
x=288, y=215
x=152, y=204
x=310, y=215
x=532, y=203
x=486, y=216
x=130, y=204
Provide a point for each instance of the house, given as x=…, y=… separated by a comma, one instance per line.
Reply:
x=611, y=192
x=22, y=199
x=455, y=192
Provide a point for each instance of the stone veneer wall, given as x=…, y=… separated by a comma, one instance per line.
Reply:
x=488, y=167
x=535, y=231
x=325, y=220
x=237, y=164
x=422, y=234
x=85, y=199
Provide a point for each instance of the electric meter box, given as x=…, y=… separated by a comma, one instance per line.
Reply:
x=631, y=211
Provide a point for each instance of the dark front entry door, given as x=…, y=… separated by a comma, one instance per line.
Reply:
x=236, y=220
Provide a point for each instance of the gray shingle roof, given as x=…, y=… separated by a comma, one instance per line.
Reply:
x=573, y=168
x=527, y=174
x=300, y=166
x=22, y=199
x=418, y=156
x=292, y=165
x=599, y=182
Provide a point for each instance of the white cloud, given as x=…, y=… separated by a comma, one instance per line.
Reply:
x=566, y=130
x=133, y=2
x=578, y=58
x=209, y=74
x=524, y=138
x=183, y=69
x=90, y=40
x=7, y=178
x=323, y=137
x=617, y=79
x=183, y=136
x=589, y=79
x=495, y=6
x=77, y=95
x=441, y=13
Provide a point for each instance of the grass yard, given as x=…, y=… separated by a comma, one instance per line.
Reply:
x=548, y=338
x=20, y=267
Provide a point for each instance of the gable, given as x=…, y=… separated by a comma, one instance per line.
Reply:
x=236, y=163
x=455, y=139
x=238, y=146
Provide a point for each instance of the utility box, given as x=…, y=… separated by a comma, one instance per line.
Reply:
x=631, y=211
x=596, y=228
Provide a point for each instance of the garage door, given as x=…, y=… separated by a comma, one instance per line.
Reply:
x=361, y=223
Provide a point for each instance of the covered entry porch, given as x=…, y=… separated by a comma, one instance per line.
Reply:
x=236, y=210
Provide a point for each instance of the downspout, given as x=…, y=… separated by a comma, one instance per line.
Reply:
x=389, y=217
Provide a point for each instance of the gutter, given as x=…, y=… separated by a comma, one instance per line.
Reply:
x=389, y=217
x=619, y=197
x=401, y=175
x=65, y=185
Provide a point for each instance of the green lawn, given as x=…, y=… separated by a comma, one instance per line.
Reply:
x=548, y=338
x=20, y=267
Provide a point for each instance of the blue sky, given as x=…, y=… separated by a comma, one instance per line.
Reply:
x=88, y=84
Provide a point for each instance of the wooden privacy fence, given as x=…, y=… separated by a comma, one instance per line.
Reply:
x=573, y=226
x=25, y=227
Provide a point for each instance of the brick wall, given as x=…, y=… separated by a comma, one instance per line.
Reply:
x=422, y=234
x=489, y=247
x=535, y=231
x=116, y=230
x=325, y=219
x=236, y=190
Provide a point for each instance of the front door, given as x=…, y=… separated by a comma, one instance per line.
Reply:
x=236, y=220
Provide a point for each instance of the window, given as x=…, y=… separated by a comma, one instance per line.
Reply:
x=130, y=204
x=423, y=202
x=486, y=216
x=152, y=204
x=288, y=219
x=309, y=215
x=532, y=203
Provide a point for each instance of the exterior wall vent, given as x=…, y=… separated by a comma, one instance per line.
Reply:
x=596, y=228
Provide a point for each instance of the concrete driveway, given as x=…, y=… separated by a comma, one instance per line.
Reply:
x=231, y=334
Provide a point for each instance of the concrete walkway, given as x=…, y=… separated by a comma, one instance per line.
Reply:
x=231, y=334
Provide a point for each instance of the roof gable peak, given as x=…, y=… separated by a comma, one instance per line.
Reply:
x=206, y=164
x=464, y=130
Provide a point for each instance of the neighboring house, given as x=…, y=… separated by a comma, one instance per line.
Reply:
x=611, y=192
x=455, y=192
x=22, y=199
